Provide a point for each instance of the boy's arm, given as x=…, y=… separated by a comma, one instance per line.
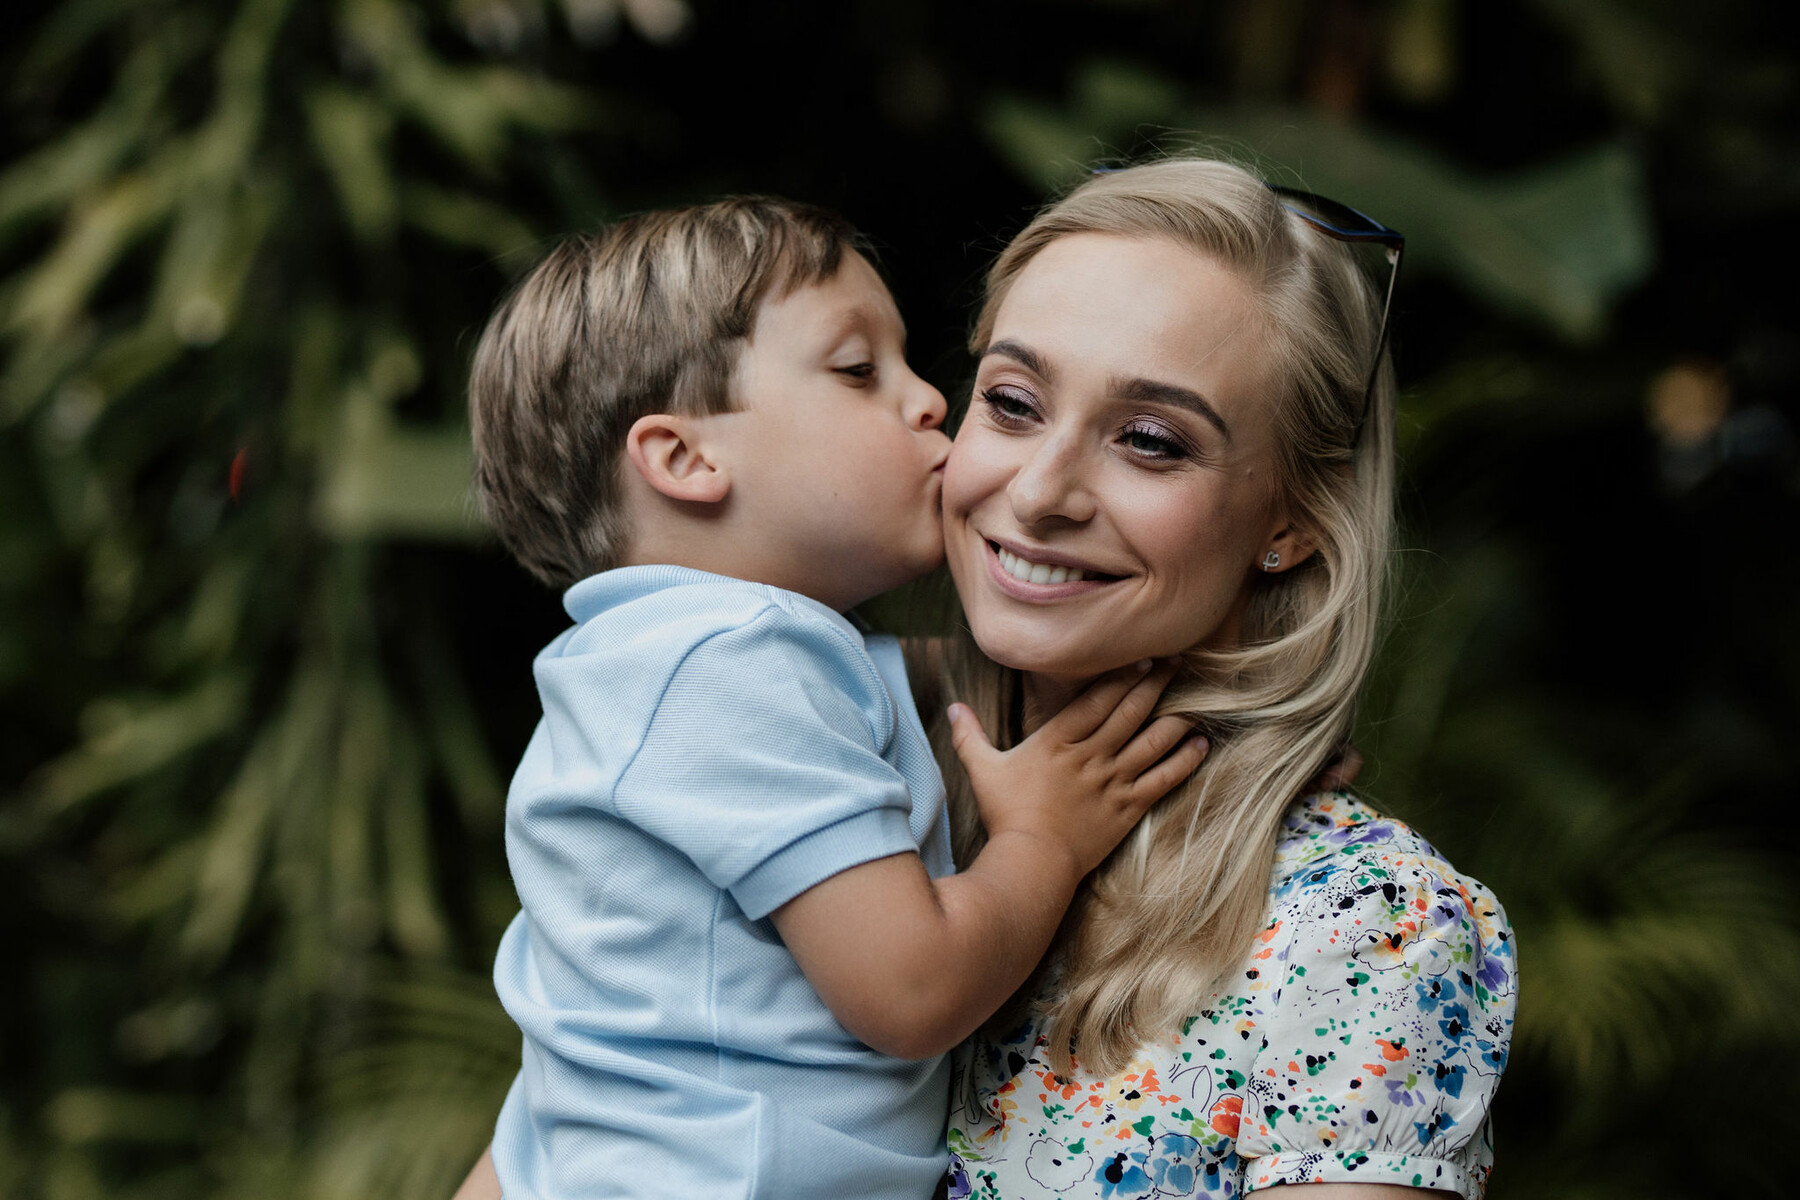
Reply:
x=482, y=1183
x=912, y=965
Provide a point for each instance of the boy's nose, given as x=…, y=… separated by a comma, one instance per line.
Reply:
x=927, y=407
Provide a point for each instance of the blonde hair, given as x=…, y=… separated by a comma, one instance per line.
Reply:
x=1180, y=900
x=646, y=316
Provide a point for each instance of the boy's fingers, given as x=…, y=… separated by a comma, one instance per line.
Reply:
x=968, y=737
x=1154, y=741
x=1155, y=783
x=1339, y=773
x=1087, y=712
x=1133, y=708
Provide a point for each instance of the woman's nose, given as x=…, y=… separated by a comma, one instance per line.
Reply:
x=1050, y=486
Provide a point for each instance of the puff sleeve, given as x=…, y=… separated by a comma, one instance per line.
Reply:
x=1381, y=1055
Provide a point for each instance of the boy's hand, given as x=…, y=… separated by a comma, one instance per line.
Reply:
x=1339, y=773
x=874, y=939
x=1080, y=783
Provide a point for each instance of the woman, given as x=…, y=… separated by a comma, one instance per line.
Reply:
x=1181, y=444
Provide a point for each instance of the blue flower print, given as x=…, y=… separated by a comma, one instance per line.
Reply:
x=1123, y=1177
x=957, y=1179
x=1172, y=1164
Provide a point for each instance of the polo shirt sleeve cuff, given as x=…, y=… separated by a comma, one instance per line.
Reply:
x=817, y=856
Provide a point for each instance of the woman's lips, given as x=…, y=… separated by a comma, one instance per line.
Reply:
x=1030, y=579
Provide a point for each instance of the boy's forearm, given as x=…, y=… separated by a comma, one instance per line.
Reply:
x=1001, y=915
x=913, y=965
x=482, y=1183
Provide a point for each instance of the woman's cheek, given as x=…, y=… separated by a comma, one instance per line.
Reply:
x=964, y=473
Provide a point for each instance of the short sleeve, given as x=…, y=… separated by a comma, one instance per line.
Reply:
x=763, y=761
x=1380, y=1060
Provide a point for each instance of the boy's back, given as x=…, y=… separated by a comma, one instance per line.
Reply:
x=710, y=749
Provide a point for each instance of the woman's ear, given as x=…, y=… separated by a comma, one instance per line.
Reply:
x=669, y=454
x=1290, y=547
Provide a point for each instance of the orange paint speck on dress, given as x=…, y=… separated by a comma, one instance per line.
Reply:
x=1226, y=1115
x=1390, y=1051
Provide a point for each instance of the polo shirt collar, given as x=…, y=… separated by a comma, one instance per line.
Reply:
x=597, y=593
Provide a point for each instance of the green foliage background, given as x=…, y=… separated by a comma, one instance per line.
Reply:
x=254, y=748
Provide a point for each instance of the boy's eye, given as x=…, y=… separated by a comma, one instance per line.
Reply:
x=861, y=372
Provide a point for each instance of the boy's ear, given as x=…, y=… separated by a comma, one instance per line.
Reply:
x=668, y=454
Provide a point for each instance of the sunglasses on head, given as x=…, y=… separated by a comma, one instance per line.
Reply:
x=1344, y=223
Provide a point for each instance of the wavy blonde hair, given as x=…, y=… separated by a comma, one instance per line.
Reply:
x=1180, y=900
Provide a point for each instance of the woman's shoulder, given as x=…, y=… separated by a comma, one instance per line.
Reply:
x=1354, y=885
x=1333, y=839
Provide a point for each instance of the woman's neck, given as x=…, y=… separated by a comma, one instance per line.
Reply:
x=1044, y=696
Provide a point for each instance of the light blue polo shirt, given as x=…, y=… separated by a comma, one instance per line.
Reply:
x=710, y=748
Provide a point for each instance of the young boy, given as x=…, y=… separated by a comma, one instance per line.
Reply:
x=743, y=950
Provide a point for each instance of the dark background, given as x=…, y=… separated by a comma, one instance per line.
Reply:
x=253, y=748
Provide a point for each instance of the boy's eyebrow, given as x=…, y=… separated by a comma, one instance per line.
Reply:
x=1151, y=391
x=859, y=318
x=1025, y=356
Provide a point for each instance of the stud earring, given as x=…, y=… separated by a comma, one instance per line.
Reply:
x=1271, y=560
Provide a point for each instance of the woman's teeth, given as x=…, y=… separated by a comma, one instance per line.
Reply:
x=1030, y=572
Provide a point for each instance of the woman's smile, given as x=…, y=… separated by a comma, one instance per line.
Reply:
x=1037, y=575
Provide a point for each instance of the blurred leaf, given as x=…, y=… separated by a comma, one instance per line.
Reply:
x=107, y=1114
x=458, y=742
x=1560, y=242
x=356, y=796
x=99, y=231
x=234, y=850
x=461, y=219
x=1421, y=50
x=413, y=914
x=1640, y=65
x=60, y=170
x=350, y=133
x=469, y=110
x=130, y=739
x=446, y=1037
x=401, y=483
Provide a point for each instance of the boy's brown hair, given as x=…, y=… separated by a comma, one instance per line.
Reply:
x=646, y=316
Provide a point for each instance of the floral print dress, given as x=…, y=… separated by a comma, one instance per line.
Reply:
x=1360, y=1041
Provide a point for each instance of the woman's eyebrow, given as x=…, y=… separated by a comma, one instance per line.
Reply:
x=1149, y=391
x=1025, y=356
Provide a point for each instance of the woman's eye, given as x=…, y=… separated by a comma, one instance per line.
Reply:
x=1152, y=441
x=1008, y=406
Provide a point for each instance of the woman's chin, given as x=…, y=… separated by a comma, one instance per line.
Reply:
x=1053, y=662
